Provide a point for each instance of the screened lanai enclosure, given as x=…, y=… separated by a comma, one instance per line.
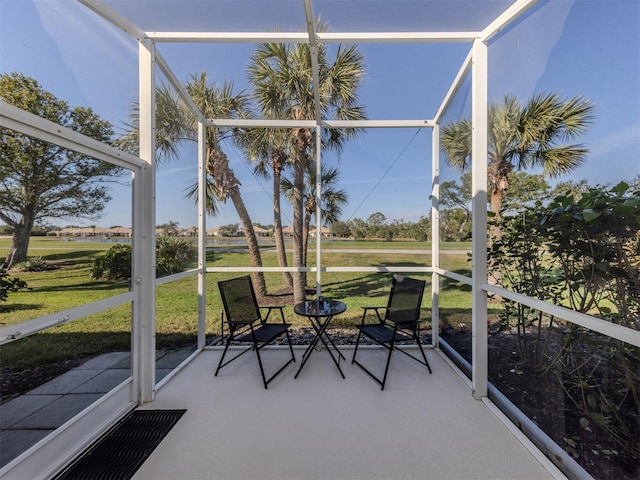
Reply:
x=489, y=147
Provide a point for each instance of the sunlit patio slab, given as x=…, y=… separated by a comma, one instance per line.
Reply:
x=320, y=426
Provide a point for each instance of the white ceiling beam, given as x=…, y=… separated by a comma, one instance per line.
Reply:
x=397, y=37
x=256, y=123
x=247, y=123
x=455, y=86
x=508, y=16
x=322, y=37
x=229, y=37
x=106, y=12
x=177, y=84
x=377, y=123
x=27, y=123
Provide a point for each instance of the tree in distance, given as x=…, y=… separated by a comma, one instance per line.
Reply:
x=41, y=180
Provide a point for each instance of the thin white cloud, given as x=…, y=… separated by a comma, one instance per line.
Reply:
x=403, y=179
x=170, y=172
x=628, y=136
x=92, y=49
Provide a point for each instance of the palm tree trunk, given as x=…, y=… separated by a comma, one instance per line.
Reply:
x=227, y=186
x=309, y=209
x=277, y=226
x=299, y=279
x=252, y=241
x=305, y=236
x=495, y=234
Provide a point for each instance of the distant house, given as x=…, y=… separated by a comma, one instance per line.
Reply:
x=213, y=232
x=93, y=232
x=261, y=232
x=287, y=231
x=324, y=231
x=188, y=232
x=119, y=232
x=69, y=232
x=82, y=232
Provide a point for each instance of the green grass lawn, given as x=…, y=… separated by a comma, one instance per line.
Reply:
x=69, y=284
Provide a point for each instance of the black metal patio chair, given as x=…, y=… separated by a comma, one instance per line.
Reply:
x=400, y=323
x=243, y=316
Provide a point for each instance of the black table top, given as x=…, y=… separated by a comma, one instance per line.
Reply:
x=317, y=308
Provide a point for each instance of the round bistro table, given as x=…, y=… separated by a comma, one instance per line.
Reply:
x=320, y=313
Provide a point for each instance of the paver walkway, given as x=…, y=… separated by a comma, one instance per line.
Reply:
x=27, y=419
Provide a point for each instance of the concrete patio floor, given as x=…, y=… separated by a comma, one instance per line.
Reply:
x=320, y=426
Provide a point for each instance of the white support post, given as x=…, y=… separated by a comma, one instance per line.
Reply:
x=435, y=235
x=318, y=211
x=144, y=241
x=479, y=220
x=202, y=233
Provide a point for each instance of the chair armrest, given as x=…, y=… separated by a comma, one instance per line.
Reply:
x=270, y=308
x=365, y=310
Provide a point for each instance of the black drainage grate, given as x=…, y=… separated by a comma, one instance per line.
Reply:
x=122, y=450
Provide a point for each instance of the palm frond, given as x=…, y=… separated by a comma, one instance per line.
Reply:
x=212, y=197
x=455, y=143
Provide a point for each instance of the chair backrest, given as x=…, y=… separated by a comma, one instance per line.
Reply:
x=405, y=299
x=239, y=300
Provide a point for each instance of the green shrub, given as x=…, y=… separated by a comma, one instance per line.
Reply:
x=32, y=264
x=172, y=255
x=582, y=252
x=115, y=264
x=9, y=284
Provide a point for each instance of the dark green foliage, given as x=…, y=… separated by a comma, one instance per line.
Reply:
x=41, y=180
x=581, y=251
x=596, y=240
x=7, y=285
x=32, y=264
x=113, y=265
x=340, y=229
x=172, y=255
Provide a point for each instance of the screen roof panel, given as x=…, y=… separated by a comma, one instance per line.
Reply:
x=213, y=15
x=409, y=15
x=289, y=15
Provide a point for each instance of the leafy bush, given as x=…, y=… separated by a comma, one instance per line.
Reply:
x=9, y=284
x=113, y=265
x=582, y=252
x=33, y=264
x=172, y=255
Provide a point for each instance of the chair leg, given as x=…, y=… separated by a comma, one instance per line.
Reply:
x=226, y=346
x=386, y=368
x=426, y=362
x=290, y=346
x=264, y=378
x=356, y=349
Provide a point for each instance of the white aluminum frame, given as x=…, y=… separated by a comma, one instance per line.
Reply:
x=479, y=76
x=141, y=387
x=47, y=456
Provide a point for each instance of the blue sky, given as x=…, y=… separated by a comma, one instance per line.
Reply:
x=588, y=47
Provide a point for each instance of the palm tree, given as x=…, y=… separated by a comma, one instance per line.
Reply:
x=269, y=148
x=175, y=124
x=332, y=199
x=520, y=137
x=281, y=75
